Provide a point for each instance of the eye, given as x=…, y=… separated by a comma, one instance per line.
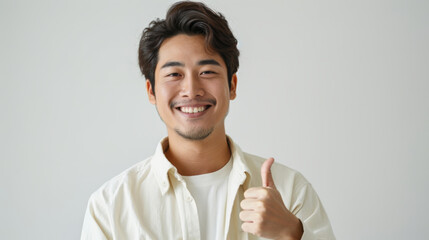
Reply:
x=207, y=72
x=173, y=75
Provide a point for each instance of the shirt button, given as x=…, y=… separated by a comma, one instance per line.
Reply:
x=189, y=199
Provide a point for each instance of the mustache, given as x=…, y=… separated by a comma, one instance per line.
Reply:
x=173, y=104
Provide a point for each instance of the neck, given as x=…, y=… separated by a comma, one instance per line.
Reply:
x=195, y=157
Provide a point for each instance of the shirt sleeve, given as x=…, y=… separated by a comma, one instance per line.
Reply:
x=96, y=221
x=308, y=208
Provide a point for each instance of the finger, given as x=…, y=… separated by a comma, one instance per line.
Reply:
x=256, y=193
x=247, y=227
x=252, y=228
x=267, y=178
x=251, y=204
x=249, y=216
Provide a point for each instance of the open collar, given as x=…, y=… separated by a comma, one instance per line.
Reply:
x=163, y=170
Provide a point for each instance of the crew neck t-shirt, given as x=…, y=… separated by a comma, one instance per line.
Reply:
x=210, y=194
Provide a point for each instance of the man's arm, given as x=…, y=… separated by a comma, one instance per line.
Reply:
x=96, y=223
x=309, y=209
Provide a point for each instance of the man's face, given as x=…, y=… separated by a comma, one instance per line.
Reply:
x=191, y=88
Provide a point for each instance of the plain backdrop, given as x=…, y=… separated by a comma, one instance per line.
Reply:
x=336, y=89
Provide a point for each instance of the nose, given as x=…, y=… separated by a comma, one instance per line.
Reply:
x=192, y=87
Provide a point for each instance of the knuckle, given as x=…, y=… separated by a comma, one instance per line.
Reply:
x=264, y=192
x=258, y=231
x=263, y=210
x=259, y=219
x=261, y=206
x=263, y=224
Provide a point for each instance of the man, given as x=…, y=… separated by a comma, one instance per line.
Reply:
x=199, y=184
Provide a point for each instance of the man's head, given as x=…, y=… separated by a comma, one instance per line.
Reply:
x=190, y=60
x=190, y=18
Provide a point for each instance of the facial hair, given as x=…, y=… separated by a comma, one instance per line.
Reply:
x=195, y=134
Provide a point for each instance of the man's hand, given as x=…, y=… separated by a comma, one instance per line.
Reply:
x=264, y=213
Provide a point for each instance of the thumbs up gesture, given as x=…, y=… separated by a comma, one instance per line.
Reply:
x=264, y=213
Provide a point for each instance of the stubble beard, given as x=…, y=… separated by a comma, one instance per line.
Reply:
x=195, y=134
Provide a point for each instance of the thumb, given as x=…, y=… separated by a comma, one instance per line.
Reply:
x=267, y=178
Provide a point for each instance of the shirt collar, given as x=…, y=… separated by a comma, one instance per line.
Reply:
x=241, y=173
x=163, y=169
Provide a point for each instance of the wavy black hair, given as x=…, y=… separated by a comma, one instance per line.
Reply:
x=192, y=18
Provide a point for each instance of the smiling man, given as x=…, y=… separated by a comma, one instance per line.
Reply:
x=199, y=184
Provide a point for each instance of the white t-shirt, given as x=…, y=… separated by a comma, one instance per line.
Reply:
x=210, y=195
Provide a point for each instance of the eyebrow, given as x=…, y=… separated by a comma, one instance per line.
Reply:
x=202, y=62
x=209, y=62
x=173, y=64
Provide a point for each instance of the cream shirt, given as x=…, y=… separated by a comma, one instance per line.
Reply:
x=150, y=201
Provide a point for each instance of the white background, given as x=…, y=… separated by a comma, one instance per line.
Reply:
x=335, y=89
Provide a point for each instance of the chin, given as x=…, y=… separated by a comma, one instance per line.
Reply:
x=195, y=134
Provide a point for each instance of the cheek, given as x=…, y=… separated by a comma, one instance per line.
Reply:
x=164, y=93
x=222, y=93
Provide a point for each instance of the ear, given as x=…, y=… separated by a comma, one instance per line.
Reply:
x=150, y=92
x=232, y=91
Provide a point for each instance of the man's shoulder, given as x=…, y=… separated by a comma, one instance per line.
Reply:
x=127, y=178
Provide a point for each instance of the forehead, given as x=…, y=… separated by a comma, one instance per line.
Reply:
x=187, y=49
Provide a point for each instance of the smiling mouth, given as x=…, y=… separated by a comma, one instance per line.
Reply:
x=193, y=109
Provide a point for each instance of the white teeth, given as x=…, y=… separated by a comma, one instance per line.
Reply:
x=192, y=109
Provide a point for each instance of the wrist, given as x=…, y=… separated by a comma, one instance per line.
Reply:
x=295, y=233
x=299, y=230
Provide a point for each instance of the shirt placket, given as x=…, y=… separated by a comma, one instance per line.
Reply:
x=236, y=181
x=187, y=209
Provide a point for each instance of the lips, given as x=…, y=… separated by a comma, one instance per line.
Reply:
x=195, y=108
x=193, y=111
